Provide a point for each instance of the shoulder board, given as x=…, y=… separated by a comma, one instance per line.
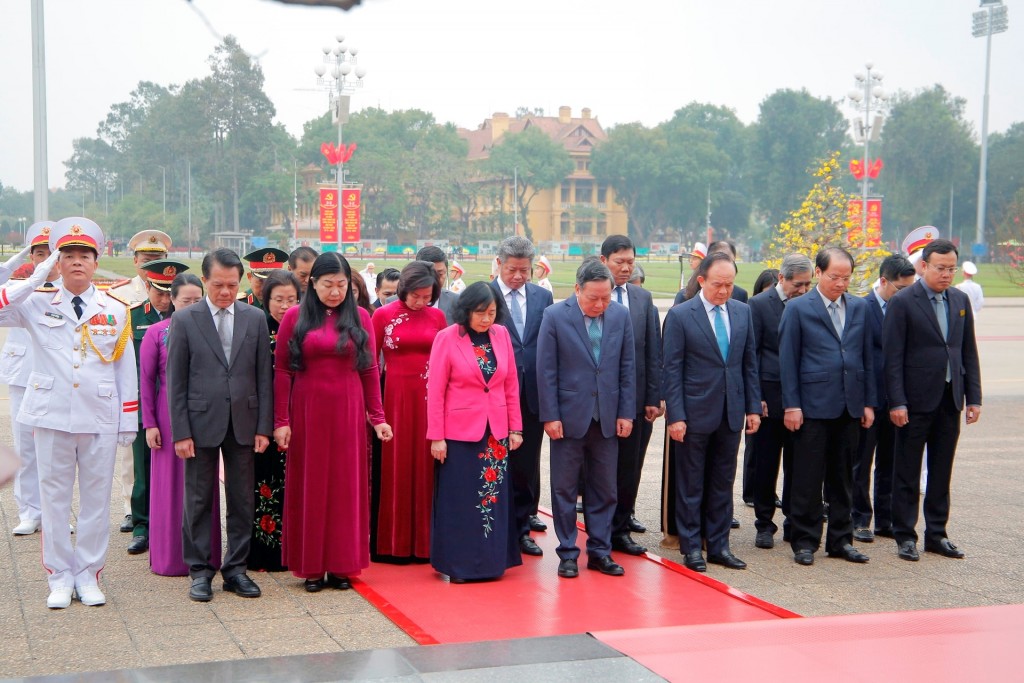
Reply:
x=119, y=283
x=117, y=297
x=241, y=296
x=134, y=307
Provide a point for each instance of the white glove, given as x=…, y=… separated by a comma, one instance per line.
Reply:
x=11, y=265
x=126, y=438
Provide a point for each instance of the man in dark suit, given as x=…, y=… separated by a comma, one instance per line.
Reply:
x=220, y=396
x=711, y=393
x=587, y=399
x=618, y=254
x=524, y=308
x=878, y=440
x=827, y=372
x=720, y=247
x=773, y=442
x=386, y=286
x=439, y=259
x=932, y=371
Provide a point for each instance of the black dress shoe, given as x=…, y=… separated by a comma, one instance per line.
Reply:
x=126, y=525
x=727, y=559
x=944, y=548
x=908, y=551
x=200, y=591
x=568, y=569
x=863, y=535
x=804, y=557
x=695, y=561
x=778, y=503
x=527, y=546
x=635, y=526
x=885, y=532
x=536, y=524
x=735, y=524
x=311, y=585
x=579, y=507
x=340, y=582
x=242, y=585
x=138, y=545
x=848, y=553
x=764, y=539
x=626, y=544
x=605, y=565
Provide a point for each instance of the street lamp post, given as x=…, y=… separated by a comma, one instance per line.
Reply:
x=990, y=19
x=867, y=97
x=340, y=74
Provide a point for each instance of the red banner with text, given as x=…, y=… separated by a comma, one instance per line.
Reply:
x=350, y=214
x=874, y=237
x=328, y=216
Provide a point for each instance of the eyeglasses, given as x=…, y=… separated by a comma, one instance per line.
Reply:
x=838, y=278
x=943, y=270
x=289, y=301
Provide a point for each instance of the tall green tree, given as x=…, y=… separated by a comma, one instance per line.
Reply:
x=539, y=162
x=1005, y=170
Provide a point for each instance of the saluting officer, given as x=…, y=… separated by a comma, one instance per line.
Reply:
x=159, y=275
x=262, y=262
x=81, y=400
x=145, y=246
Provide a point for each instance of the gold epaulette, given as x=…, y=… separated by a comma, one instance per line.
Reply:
x=112, y=295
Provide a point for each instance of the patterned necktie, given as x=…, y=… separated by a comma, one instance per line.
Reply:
x=884, y=304
x=517, y=314
x=224, y=332
x=77, y=304
x=939, y=302
x=594, y=332
x=618, y=293
x=721, y=333
x=833, y=311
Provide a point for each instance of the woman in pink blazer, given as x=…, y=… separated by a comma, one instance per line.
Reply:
x=473, y=421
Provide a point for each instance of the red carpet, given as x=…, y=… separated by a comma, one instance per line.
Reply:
x=972, y=644
x=532, y=601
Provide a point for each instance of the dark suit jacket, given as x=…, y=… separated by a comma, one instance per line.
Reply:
x=568, y=379
x=700, y=386
x=647, y=347
x=766, y=311
x=916, y=354
x=204, y=393
x=822, y=375
x=444, y=302
x=738, y=294
x=537, y=300
x=875, y=318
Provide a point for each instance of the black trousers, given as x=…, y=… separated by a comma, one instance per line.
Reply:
x=822, y=454
x=772, y=444
x=939, y=430
x=749, y=472
x=876, y=445
x=141, y=460
x=632, y=450
x=201, y=479
x=705, y=471
x=525, y=465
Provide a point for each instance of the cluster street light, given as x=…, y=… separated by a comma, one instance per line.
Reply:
x=990, y=19
x=868, y=98
x=340, y=75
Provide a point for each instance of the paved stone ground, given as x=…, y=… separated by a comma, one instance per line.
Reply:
x=148, y=620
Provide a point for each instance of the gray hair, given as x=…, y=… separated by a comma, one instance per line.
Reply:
x=593, y=271
x=515, y=246
x=638, y=273
x=794, y=264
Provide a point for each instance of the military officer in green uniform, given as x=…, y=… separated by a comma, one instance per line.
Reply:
x=156, y=307
x=262, y=262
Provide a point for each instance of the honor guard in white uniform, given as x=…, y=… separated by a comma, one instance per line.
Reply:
x=145, y=246
x=455, y=282
x=81, y=401
x=15, y=367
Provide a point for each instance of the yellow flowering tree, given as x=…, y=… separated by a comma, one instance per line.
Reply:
x=823, y=220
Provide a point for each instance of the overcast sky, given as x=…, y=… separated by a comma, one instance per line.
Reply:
x=463, y=60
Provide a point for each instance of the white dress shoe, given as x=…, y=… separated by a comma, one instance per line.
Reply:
x=60, y=598
x=91, y=595
x=26, y=527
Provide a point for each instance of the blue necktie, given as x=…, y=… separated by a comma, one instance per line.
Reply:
x=940, y=312
x=721, y=334
x=594, y=332
x=618, y=293
x=78, y=304
x=517, y=314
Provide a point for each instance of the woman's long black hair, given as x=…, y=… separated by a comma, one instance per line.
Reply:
x=312, y=313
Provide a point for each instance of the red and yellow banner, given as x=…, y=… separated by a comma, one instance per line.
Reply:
x=350, y=214
x=874, y=238
x=329, y=216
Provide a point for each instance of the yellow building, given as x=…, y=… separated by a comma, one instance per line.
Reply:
x=577, y=210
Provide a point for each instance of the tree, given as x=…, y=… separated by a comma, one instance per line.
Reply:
x=539, y=162
x=822, y=221
x=928, y=149
x=1005, y=170
x=630, y=161
x=793, y=130
x=1010, y=240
